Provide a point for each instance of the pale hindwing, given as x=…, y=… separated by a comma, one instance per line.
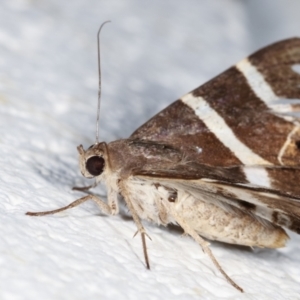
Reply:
x=262, y=197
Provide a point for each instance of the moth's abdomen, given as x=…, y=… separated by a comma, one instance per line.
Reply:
x=216, y=223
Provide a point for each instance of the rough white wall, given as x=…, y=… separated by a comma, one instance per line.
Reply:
x=152, y=53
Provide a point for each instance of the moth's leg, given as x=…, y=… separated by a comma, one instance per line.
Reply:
x=104, y=207
x=84, y=188
x=138, y=223
x=204, y=245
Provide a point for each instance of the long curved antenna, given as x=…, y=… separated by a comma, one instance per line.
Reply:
x=99, y=76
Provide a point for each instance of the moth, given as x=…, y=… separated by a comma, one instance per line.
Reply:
x=222, y=162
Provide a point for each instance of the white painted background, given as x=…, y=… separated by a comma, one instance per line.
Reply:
x=152, y=53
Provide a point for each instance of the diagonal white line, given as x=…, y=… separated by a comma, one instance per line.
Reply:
x=258, y=176
x=257, y=82
x=215, y=123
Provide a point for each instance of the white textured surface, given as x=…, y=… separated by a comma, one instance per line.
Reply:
x=152, y=53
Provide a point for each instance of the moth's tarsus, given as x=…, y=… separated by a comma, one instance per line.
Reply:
x=51, y=212
x=143, y=234
x=82, y=188
x=85, y=188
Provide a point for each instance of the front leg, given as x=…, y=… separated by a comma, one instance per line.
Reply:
x=84, y=188
x=127, y=195
x=104, y=207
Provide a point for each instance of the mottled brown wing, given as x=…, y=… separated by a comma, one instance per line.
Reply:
x=248, y=113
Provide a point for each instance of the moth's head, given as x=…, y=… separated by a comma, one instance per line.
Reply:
x=93, y=160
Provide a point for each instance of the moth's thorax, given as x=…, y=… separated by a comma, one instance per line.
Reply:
x=127, y=155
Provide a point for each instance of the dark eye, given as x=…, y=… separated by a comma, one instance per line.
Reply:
x=95, y=165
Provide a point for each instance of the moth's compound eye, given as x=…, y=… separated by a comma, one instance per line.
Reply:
x=95, y=165
x=297, y=143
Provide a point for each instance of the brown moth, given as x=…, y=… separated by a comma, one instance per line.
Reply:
x=222, y=162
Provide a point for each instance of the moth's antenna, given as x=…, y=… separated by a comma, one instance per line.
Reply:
x=99, y=76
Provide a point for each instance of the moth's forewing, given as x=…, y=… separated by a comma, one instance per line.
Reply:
x=234, y=118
